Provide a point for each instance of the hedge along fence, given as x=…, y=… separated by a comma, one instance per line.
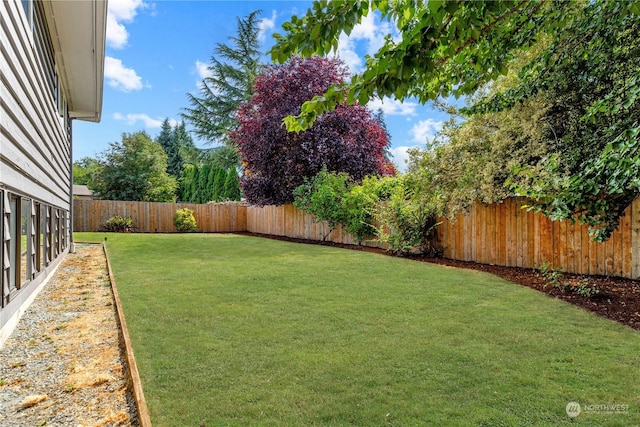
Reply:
x=292, y=222
x=501, y=234
x=149, y=217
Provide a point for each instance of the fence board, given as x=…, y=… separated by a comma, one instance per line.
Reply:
x=512, y=241
x=588, y=253
x=625, y=231
x=570, y=261
x=600, y=270
x=617, y=254
x=635, y=239
x=500, y=235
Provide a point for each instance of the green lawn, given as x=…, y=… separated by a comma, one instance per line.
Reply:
x=236, y=330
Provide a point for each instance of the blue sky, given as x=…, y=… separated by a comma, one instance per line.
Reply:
x=157, y=52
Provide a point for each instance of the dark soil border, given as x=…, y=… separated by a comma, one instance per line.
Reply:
x=617, y=299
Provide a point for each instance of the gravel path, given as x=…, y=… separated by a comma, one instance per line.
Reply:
x=64, y=364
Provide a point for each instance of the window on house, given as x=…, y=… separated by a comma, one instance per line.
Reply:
x=25, y=243
x=43, y=236
x=44, y=47
x=67, y=229
x=38, y=236
x=63, y=230
x=27, y=5
x=55, y=231
x=14, y=243
x=2, y=249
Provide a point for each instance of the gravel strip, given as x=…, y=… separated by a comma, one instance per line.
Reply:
x=64, y=364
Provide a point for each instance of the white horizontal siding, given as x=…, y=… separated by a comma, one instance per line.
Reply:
x=34, y=149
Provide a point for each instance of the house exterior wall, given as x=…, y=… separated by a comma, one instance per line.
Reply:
x=35, y=158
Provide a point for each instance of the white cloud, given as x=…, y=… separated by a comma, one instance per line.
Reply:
x=121, y=11
x=393, y=107
x=422, y=132
x=117, y=34
x=425, y=130
x=401, y=157
x=125, y=10
x=202, y=69
x=148, y=122
x=347, y=52
x=266, y=24
x=371, y=32
x=120, y=77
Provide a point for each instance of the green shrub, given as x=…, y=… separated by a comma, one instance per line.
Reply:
x=394, y=210
x=408, y=220
x=118, y=224
x=555, y=276
x=550, y=275
x=184, y=221
x=361, y=203
x=322, y=196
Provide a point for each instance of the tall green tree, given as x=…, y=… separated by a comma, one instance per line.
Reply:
x=188, y=151
x=83, y=171
x=186, y=183
x=218, y=185
x=232, y=186
x=171, y=145
x=224, y=156
x=204, y=191
x=135, y=169
x=213, y=171
x=233, y=69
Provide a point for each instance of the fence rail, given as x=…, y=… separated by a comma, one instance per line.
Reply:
x=500, y=234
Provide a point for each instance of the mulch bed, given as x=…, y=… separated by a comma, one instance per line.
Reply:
x=617, y=298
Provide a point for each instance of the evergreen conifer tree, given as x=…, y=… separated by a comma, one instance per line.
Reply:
x=185, y=183
x=195, y=190
x=218, y=185
x=232, y=186
x=203, y=177
x=213, y=171
x=171, y=146
x=189, y=153
x=233, y=72
x=164, y=138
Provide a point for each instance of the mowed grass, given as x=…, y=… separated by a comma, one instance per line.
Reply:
x=233, y=330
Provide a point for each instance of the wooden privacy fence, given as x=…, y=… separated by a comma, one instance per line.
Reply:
x=500, y=234
x=506, y=234
x=150, y=217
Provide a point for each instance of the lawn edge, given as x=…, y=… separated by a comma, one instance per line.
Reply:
x=134, y=376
